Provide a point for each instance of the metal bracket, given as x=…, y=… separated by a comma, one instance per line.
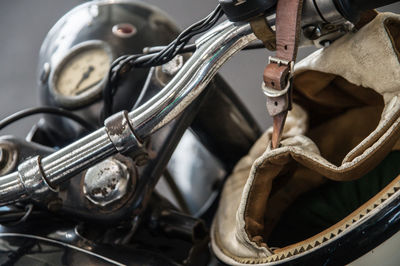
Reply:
x=120, y=132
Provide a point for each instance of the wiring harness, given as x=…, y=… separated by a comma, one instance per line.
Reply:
x=154, y=56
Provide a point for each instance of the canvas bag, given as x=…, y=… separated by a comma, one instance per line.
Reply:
x=345, y=120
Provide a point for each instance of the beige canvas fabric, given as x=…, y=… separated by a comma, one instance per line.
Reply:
x=345, y=121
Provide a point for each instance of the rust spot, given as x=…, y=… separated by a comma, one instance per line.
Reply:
x=112, y=186
x=102, y=191
x=117, y=127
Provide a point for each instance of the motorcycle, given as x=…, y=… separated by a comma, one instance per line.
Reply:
x=138, y=134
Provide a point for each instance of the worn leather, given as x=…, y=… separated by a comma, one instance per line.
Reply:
x=288, y=15
x=263, y=32
x=346, y=120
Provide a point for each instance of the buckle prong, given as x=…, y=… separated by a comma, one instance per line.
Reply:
x=282, y=62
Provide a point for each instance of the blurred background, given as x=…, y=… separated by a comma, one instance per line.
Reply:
x=25, y=23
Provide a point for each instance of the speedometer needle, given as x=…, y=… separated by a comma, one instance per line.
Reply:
x=88, y=87
x=84, y=76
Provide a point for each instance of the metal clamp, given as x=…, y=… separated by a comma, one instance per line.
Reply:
x=120, y=132
x=33, y=179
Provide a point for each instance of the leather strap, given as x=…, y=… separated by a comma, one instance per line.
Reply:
x=288, y=15
x=278, y=73
x=264, y=32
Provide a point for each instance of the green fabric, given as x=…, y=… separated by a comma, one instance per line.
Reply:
x=321, y=208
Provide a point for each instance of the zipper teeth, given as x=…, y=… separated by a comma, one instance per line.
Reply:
x=392, y=191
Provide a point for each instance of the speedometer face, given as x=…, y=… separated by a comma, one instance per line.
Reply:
x=81, y=74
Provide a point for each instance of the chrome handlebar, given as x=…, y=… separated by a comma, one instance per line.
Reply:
x=212, y=51
x=126, y=131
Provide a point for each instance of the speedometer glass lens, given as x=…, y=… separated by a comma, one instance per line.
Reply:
x=83, y=71
x=81, y=74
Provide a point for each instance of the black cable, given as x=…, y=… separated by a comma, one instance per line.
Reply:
x=14, y=256
x=113, y=80
x=45, y=110
x=155, y=49
x=125, y=63
x=171, y=50
x=190, y=48
x=22, y=218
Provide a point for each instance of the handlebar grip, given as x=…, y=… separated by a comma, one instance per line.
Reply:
x=351, y=9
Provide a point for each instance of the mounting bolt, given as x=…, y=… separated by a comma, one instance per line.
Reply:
x=108, y=182
x=312, y=32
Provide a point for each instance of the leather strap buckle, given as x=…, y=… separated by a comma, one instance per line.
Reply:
x=281, y=62
x=272, y=92
x=278, y=74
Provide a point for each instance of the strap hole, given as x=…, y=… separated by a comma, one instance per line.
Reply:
x=273, y=84
x=286, y=47
x=276, y=103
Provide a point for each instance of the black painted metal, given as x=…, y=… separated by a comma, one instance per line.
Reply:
x=242, y=10
x=224, y=125
x=94, y=21
x=351, y=9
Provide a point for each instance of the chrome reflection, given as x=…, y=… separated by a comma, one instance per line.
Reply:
x=196, y=172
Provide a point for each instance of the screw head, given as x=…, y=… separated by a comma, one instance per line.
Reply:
x=312, y=32
x=45, y=72
x=107, y=182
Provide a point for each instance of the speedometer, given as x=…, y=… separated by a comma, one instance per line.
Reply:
x=81, y=75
